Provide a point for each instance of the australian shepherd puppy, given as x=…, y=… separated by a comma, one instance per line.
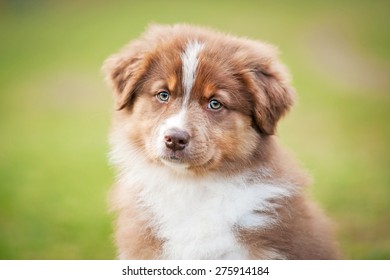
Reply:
x=200, y=174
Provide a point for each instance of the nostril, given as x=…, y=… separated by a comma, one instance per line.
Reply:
x=167, y=139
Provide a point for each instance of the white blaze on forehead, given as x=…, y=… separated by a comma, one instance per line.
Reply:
x=190, y=63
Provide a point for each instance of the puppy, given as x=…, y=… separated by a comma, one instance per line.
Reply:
x=200, y=174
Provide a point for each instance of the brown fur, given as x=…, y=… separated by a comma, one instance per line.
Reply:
x=254, y=88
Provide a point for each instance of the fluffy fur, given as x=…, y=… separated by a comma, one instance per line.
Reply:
x=200, y=173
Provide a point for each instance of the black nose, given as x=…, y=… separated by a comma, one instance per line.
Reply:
x=176, y=139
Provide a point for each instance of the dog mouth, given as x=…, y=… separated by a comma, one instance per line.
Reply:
x=180, y=160
x=173, y=158
x=174, y=161
x=176, y=157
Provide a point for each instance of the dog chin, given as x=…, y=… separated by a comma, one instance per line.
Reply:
x=175, y=163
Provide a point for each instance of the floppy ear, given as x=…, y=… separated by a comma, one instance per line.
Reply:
x=123, y=71
x=273, y=96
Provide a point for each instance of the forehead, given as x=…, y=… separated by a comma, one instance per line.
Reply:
x=195, y=67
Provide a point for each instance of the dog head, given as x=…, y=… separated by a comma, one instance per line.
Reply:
x=196, y=99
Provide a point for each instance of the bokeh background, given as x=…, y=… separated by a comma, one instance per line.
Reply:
x=55, y=113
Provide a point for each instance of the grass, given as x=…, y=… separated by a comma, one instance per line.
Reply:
x=55, y=113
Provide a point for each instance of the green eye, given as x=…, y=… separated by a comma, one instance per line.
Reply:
x=214, y=105
x=163, y=96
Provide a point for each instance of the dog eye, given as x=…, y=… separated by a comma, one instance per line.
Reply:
x=214, y=105
x=163, y=96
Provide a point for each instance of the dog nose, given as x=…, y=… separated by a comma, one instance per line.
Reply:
x=176, y=139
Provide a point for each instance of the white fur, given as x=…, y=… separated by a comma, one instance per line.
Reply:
x=190, y=63
x=196, y=217
x=175, y=121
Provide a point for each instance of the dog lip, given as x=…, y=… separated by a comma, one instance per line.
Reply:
x=174, y=162
x=173, y=158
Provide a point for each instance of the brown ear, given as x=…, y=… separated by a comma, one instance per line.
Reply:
x=123, y=71
x=272, y=94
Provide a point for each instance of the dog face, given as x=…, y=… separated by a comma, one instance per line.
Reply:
x=194, y=99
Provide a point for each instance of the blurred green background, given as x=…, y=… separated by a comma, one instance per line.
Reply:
x=55, y=113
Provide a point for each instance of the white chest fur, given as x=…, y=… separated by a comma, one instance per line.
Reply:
x=197, y=218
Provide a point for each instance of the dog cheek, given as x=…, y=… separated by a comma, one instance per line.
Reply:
x=155, y=140
x=141, y=127
x=238, y=140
